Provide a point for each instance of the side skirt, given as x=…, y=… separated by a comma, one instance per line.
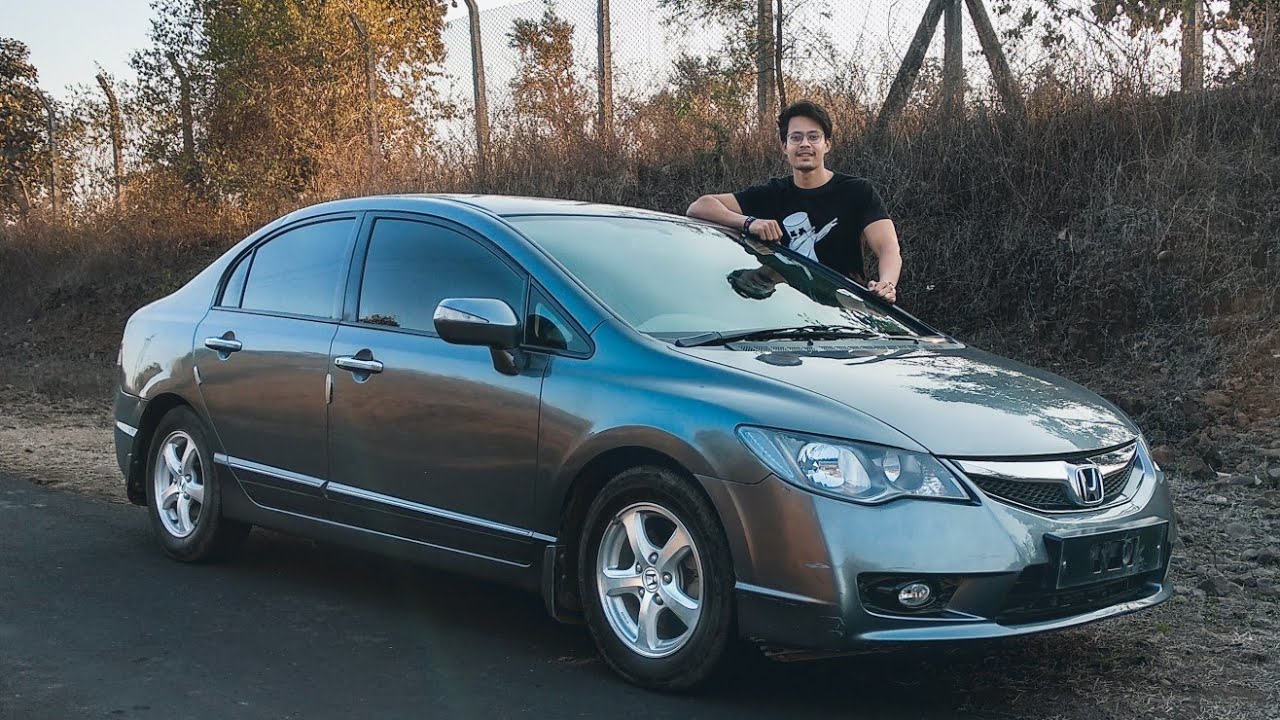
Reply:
x=238, y=505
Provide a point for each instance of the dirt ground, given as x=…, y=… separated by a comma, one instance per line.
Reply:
x=1213, y=651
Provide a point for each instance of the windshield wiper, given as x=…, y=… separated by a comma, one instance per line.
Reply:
x=803, y=332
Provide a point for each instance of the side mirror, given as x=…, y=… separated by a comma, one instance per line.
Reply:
x=478, y=321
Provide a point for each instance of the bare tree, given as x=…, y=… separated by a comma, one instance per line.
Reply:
x=1192, y=46
x=117, y=133
x=190, y=170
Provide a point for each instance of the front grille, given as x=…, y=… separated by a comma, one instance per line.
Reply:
x=1115, y=482
x=1031, y=599
x=1053, y=495
x=1039, y=495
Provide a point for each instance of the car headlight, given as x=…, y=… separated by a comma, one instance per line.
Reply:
x=856, y=471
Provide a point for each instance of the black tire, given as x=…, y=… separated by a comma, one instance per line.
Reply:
x=701, y=655
x=213, y=537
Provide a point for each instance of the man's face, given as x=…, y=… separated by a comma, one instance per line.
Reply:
x=806, y=146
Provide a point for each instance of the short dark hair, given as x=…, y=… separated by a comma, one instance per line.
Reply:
x=804, y=108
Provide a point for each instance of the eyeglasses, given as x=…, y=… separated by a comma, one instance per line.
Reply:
x=813, y=136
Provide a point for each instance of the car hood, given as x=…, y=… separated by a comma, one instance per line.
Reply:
x=957, y=402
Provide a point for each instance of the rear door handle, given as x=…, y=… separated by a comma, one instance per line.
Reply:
x=223, y=345
x=358, y=365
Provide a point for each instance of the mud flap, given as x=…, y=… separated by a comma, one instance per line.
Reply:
x=558, y=591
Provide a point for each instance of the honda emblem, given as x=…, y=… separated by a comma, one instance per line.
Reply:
x=1088, y=485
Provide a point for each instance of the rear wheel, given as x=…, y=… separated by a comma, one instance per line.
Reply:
x=183, y=495
x=656, y=579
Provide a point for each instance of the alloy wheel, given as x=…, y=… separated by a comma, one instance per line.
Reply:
x=649, y=579
x=179, y=484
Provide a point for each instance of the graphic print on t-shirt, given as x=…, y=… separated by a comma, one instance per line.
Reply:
x=850, y=199
x=803, y=236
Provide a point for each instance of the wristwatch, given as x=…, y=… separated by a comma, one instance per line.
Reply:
x=746, y=224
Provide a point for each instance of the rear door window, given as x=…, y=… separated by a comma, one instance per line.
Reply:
x=300, y=272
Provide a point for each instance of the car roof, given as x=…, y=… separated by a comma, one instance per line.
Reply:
x=508, y=205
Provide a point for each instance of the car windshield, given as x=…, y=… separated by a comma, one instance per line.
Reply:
x=674, y=279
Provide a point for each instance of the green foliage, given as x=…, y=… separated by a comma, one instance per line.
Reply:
x=548, y=98
x=278, y=89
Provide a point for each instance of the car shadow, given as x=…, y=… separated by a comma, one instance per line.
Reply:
x=975, y=679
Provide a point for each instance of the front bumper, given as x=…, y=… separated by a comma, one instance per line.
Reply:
x=804, y=564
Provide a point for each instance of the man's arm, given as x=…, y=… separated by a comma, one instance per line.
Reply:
x=882, y=238
x=723, y=209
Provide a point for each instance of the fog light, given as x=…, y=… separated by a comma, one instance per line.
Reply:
x=915, y=595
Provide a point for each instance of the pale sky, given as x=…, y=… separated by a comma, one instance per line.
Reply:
x=67, y=37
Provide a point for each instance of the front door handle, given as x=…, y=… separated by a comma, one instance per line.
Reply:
x=223, y=344
x=357, y=365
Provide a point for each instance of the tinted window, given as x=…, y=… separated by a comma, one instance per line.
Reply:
x=300, y=272
x=235, y=284
x=546, y=327
x=412, y=266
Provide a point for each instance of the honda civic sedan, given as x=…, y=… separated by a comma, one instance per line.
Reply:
x=687, y=439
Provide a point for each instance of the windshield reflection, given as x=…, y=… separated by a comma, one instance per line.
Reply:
x=674, y=279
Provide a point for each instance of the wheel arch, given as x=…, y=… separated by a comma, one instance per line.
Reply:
x=587, y=482
x=156, y=409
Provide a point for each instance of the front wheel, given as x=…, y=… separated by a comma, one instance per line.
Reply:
x=183, y=496
x=656, y=579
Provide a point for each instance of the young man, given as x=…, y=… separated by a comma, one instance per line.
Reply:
x=822, y=214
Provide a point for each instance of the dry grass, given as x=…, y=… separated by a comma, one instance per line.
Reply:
x=1129, y=234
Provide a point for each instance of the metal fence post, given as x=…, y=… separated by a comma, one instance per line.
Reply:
x=1005, y=83
x=604, y=56
x=482, y=105
x=53, y=151
x=765, y=107
x=370, y=90
x=953, y=59
x=906, y=77
x=117, y=139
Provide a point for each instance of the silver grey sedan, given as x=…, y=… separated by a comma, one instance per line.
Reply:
x=689, y=440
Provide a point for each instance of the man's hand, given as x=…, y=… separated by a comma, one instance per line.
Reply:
x=884, y=289
x=767, y=230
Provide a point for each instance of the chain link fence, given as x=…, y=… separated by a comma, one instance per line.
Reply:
x=851, y=49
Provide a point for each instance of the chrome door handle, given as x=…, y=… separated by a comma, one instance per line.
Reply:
x=223, y=344
x=358, y=365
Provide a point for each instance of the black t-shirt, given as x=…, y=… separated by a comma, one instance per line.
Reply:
x=826, y=222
